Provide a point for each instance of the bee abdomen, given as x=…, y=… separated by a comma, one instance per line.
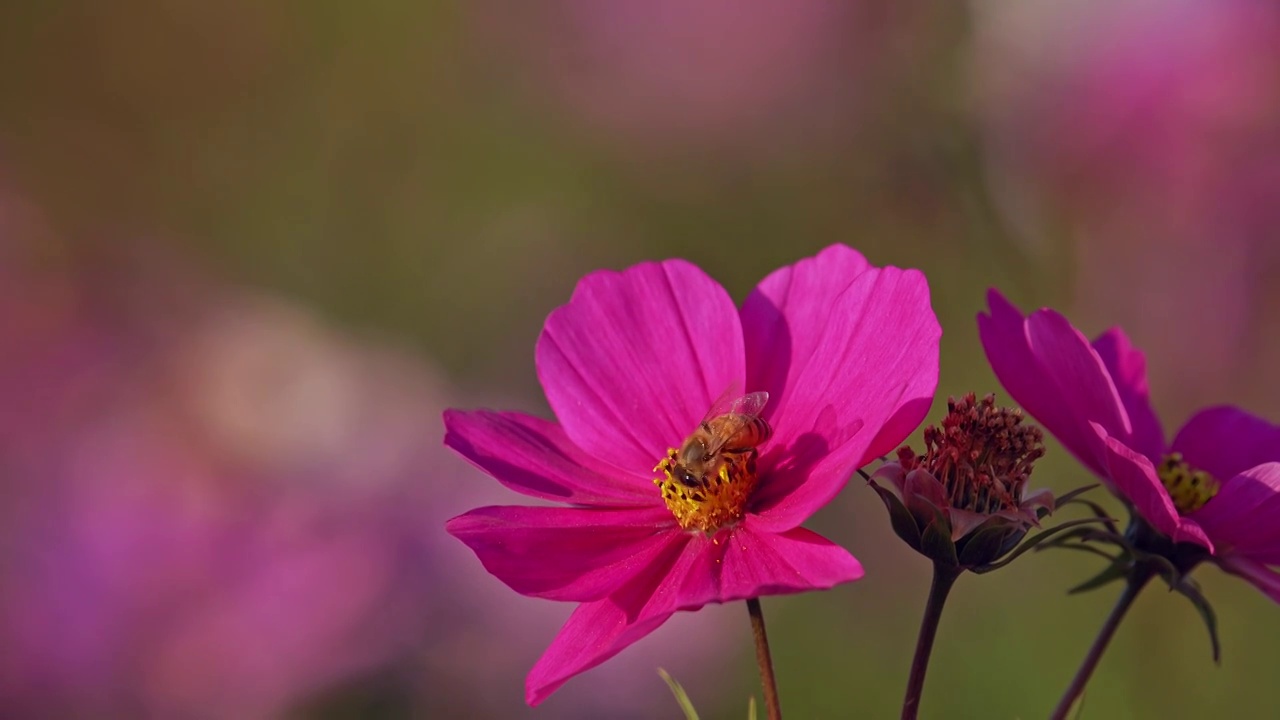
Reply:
x=762, y=429
x=753, y=433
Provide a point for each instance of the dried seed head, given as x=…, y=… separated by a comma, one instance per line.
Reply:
x=982, y=454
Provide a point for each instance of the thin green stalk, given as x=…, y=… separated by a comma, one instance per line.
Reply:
x=771, y=704
x=1136, y=583
x=943, y=578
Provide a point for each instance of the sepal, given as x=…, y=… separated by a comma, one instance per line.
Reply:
x=903, y=523
x=1040, y=537
x=1115, y=571
x=1190, y=589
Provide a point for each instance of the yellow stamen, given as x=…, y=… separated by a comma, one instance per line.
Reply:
x=1189, y=488
x=718, y=500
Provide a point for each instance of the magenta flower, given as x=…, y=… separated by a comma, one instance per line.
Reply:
x=1217, y=485
x=848, y=355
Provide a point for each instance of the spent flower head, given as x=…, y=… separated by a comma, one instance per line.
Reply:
x=963, y=502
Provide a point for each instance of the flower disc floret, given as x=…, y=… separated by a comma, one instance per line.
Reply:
x=1189, y=488
x=714, y=502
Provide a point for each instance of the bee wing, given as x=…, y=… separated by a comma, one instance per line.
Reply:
x=740, y=411
x=725, y=402
x=750, y=404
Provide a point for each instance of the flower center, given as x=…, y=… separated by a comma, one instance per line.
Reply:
x=1189, y=488
x=712, y=496
x=982, y=454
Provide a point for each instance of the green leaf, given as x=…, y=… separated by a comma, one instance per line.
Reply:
x=751, y=708
x=1068, y=497
x=1082, y=548
x=682, y=698
x=1113, y=572
x=1098, y=511
x=1191, y=591
x=1034, y=541
x=1078, y=534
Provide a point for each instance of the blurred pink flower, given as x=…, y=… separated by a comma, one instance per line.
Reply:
x=214, y=506
x=163, y=565
x=1148, y=127
x=1135, y=102
x=670, y=76
x=847, y=353
x=1216, y=485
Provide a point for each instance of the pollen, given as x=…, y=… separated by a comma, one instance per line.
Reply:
x=1190, y=489
x=716, y=500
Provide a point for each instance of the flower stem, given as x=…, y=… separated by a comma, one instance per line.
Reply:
x=765, y=660
x=1136, y=582
x=943, y=578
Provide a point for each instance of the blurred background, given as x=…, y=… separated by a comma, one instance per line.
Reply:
x=249, y=252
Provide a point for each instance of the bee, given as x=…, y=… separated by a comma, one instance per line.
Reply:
x=728, y=435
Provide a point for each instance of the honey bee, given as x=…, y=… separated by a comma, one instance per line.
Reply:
x=728, y=435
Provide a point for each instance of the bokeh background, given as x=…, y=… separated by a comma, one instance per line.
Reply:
x=249, y=251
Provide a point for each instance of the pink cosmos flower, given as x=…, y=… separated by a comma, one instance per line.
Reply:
x=848, y=354
x=1216, y=485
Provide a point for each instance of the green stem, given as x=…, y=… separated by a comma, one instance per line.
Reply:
x=1136, y=582
x=943, y=578
x=765, y=660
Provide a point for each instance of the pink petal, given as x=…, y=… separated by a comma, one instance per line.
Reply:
x=867, y=383
x=782, y=317
x=1036, y=499
x=1083, y=380
x=1128, y=369
x=1258, y=575
x=1225, y=441
x=1135, y=479
x=749, y=561
x=1033, y=385
x=754, y=562
x=579, y=554
x=1245, y=514
x=599, y=630
x=925, y=496
x=922, y=483
x=534, y=457
x=595, y=632
x=636, y=358
x=741, y=563
x=964, y=521
x=896, y=477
